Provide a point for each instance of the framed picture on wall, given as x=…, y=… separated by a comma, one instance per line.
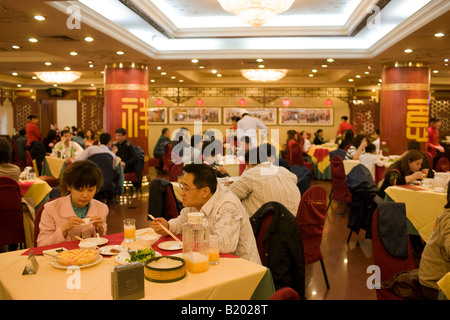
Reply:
x=157, y=115
x=266, y=115
x=189, y=115
x=307, y=116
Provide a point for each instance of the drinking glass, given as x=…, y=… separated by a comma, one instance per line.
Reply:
x=213, y=250
x=129, y=229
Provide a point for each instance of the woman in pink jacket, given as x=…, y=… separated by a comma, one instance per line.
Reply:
x=64, y=218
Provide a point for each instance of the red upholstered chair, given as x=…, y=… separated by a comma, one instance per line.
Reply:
x=311, y=215
x=388, y=264
x=170, y=204
x=442, y=165
x=11, y=212
x=175, y=171
x=430, y=158
x=167, y=158
x=153, y=162
x=339, y=189
x=37, y=220
x=286, y=293
x=28, y=159
x=22, y=163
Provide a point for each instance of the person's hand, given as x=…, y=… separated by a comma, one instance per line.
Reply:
x=417, y=175
x=97, y=221
x=72, y=223
x=156, y=225
x=123, y=164
x=440, y=148
x=114, y=149
x=222, y=169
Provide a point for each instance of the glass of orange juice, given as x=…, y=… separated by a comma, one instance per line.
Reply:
x=129, y=229
x=213, y=250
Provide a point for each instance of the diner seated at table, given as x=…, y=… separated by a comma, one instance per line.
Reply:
x=346, y=140
x=89, y=138
x=435, y=259
x=227, y=219
x=357, y=148
x=426, y=167
x=318, y=137
x=307, y=142
x=66, y=148
x=78, y=137
x=103, y=147
x=62, y=218
x=124, y=149
x=210, y=158
x=50, y=140
x=263, y=182
x=7, y=169
x=403, y=171
x=370, y=159
x=193, y=154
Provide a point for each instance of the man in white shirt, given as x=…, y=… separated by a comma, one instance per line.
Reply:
x=227, y=219
x=370, y=159
x=66, y=148
x=105, y=144
x=376, y=142
x=248, y=126
x=264, y=182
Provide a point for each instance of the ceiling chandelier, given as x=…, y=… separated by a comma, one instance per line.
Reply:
x=58, y=76
x=256, y=12
x=264, y=75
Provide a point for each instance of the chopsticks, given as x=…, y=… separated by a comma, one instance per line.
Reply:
x=165, y=229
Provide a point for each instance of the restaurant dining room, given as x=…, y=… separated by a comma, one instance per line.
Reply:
x=221, y=152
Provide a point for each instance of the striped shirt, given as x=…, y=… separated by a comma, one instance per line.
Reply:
x=264, y=183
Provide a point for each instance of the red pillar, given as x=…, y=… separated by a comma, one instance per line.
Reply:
x=404, y=105
x=126, y=102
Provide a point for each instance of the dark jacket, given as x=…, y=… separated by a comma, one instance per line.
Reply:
x=282, y=246
x=127, y=154
x=157, y=197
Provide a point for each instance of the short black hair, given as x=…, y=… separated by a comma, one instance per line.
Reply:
x=105, y=138
x=5, y=150
x=413, y=145
x=344, y=118
x=204, y=175
x=32, y=116
x=371, y=148
x=81, y=174
x=164, y=130
x=65, y=131
x=121, y=131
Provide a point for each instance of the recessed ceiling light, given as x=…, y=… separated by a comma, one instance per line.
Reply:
x=181, y=80
x=14, y=73
x=48, y=63
x=219, y=75
x=214, y=71
x=163, y=73
x=120, y=52
x=73, y=53
x=350, y=80
x=259, y=60
x=89, y=39
x=159, y=68
x=91, y=66
x=92, y=84
x=33, y=40
x=435, y=71
x=173, y=77
x=194, y=60
x=39, y=18
x=367, y=72
x=153, y=80
x=34, y=77
x=15, y=47
x=55, y=84
x=445, y=60
x=310, y=75
x=379, y=80
x=261, y=66
x=67, y=68
x=201, y=67
x=439, y=35
x=408, y=50
x=19, y=85
x=330, y=60
x=324, y=66
x=358, y=76
x=314, y=70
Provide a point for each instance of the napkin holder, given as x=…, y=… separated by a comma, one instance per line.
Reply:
x=127, y=282
x=32, y=265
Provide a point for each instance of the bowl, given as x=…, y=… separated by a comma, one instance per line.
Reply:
x=148, y=240
x=165, y=269
x=88, y=245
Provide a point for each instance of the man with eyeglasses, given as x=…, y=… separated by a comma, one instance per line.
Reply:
x=224, y=212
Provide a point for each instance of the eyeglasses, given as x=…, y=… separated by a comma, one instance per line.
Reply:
x=185, y=189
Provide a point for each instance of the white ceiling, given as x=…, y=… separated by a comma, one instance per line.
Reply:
x=360, y=36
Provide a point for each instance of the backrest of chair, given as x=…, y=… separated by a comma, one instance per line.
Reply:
x=442, y=165
x=167, y=158
x=389, y=265
x=29, y=159
x=340, y=188
x=35, y=167
x=266, y=221
x=175, y=171
x=105, y=162
x=286, y=293
x=295, y=154
x=303, y=177
x=338, y=152
x=11, y=212
x=37, y=220
x=170, y=204
x=430, y=158
x=311, y=217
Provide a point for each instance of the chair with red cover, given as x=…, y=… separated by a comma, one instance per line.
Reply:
x=37, y=220
x=296, y=156
x=11, y=212
x=171, y=207
x=311, y=215
x=167, y=158
x=430, y=158
x=286, y=293
x=175, y=171
x=339, y=188
x=389, y=265
x=442, y=165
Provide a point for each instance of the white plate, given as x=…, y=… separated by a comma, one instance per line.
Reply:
x=171, y=245
x=99, y=241
x=59, y=266
x=106, y=250
x=121, y=259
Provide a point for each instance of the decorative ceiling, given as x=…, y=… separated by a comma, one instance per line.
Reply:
x=359, y=35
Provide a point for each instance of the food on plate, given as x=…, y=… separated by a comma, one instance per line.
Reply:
x=77, y=257
x=141, y=255
x=165, y=263
x=114, y=250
